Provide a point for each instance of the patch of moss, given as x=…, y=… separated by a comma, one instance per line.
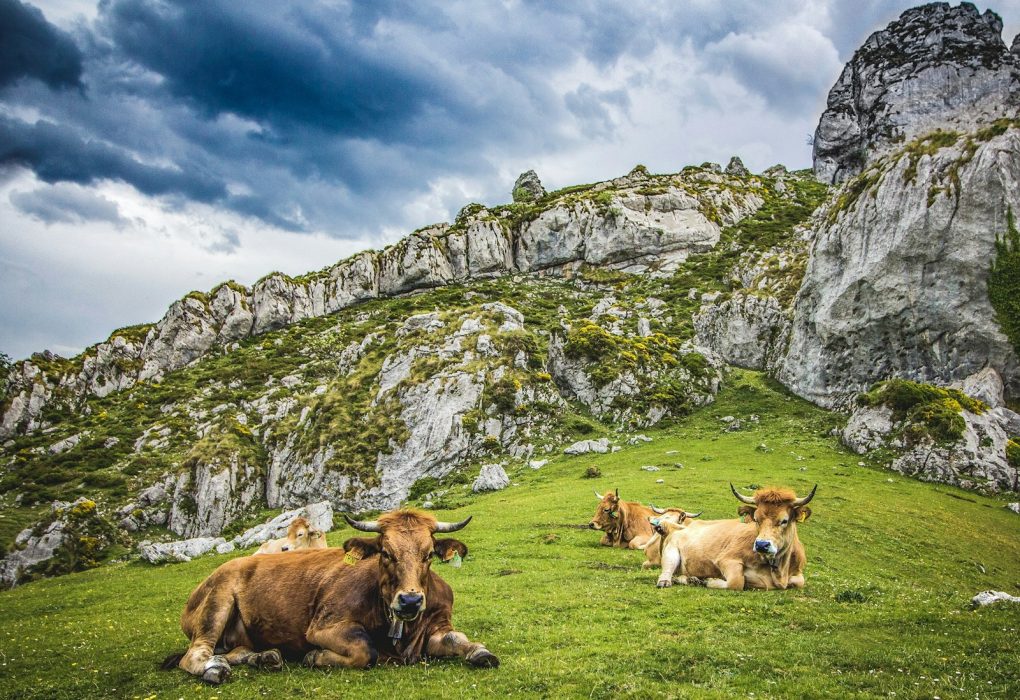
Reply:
x=927, y=411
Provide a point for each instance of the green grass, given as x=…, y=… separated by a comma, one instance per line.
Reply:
x=892, y=564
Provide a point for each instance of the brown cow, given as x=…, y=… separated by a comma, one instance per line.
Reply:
x=389, y=606
x=653, y=550
x=300, y=535
x=763, y=553
x=623, y=523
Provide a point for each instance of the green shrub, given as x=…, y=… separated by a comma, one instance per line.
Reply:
x=927, y=411
x=1004, y=282
x=1013, y=453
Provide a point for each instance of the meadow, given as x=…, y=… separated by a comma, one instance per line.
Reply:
x=892, y=566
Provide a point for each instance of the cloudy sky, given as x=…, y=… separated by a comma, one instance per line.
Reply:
x=148, y=148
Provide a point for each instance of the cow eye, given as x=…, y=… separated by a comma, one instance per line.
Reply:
x=784, y=521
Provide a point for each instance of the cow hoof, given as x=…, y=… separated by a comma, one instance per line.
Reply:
x=216, y=671
x=310, y=657
x=663, y=583
x=483, y=658
x=269, y=660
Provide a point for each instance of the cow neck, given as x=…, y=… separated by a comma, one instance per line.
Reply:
x=782, y=558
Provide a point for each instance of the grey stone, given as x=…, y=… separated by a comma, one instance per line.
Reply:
x=985, y=598
x=492, y=478
x=600, y=446
x=181, y=550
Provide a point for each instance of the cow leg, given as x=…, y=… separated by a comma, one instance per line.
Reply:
x=270, y=660
x=797, y=581
x=670, y=563
x=211, y=618
x=454, y=643
x=732, y=576
x=345, y=644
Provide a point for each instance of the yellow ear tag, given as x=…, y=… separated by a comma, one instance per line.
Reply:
x=351, y=558
x=802, y=517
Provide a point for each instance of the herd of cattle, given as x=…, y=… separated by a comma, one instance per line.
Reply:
x=377, y=599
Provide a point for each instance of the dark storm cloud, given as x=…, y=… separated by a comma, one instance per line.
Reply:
x=57, y=154
x=67, y=204
x=327, y=116
x=31, y=47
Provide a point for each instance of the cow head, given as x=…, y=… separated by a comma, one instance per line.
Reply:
x=776, y=513
x=298, y=533
x=406, y=547
x=607, y=513
x=673, y=516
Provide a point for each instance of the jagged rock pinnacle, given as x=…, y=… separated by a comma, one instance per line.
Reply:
x=936, y=67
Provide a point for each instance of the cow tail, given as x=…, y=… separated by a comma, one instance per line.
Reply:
x=171, y=662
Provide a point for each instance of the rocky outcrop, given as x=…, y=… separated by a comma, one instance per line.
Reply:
x=976, y=458
x=985, y=598
x=936, y=67
x=637, y=223
x=528, y=187
x=213, y=492
x=896, y=284
x=72, y=537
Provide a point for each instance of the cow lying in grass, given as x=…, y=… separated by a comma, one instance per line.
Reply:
x=623, y=523
x=300, y=535
x=676, y=516
x=764, y=552
x=311, y=604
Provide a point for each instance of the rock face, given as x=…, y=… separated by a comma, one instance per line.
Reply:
x=528, y=187
x=906, y=294
x=211, y=494
x=991, y=597
x=746, y=330
x=936, y=67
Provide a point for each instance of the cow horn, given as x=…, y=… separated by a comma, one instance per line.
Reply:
x=617, y=493
x=453, y=527
x=660, y=511
x=598, y=495
x=693, y=515
x=743, y=499
x=363, y=525
x=804, y=501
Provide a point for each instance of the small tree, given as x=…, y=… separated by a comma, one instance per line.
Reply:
x=1004, y=282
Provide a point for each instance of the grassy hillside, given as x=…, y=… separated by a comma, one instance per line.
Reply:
x=892, y=565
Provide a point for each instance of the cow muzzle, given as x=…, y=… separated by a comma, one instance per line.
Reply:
x=766, y=547
x=408, y=606
x=594, y=526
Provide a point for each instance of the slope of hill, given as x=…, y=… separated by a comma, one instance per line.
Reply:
x=892, y=565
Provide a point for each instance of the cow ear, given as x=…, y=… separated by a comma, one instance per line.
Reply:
x=746, y=511
x=801, y=514
x=366, y=545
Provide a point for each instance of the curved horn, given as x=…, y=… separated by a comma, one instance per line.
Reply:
x=660, y=511
x=363, y=525
x=617, y=493
x=743, y=499
x=453, y=527
x=803, y=501
x=598, y=495
x=693, y=515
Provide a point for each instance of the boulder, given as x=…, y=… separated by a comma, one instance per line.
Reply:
x=492, y=478
x=182, y=550
x=985, y=598
x=600, y=446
